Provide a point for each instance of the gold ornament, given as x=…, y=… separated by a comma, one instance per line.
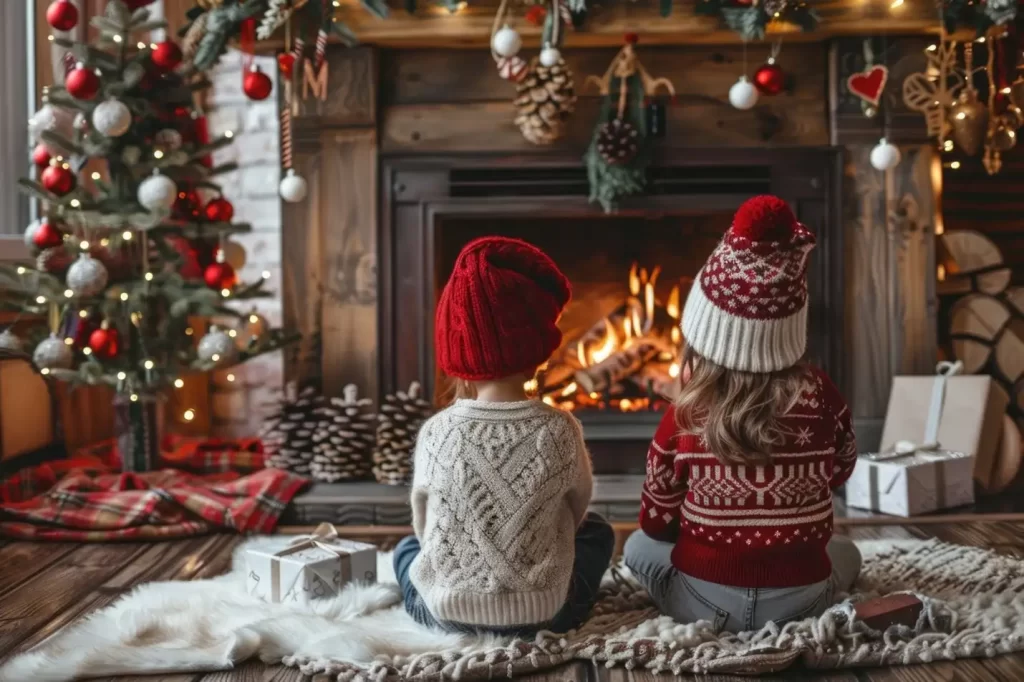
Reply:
x=935, y=89
x=1014, y=116
x=1017, y=90
x=968, y=119
x=1002, y=137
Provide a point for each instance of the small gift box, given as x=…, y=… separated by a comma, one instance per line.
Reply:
x=911, y=483
x=311, y=567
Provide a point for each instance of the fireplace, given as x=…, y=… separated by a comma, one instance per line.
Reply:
x=630, y=271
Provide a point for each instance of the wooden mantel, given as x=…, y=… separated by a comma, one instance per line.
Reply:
x=435, y=26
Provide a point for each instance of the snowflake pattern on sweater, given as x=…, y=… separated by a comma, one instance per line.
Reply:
x=753, y=525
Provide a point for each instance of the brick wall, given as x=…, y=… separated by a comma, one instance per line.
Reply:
x=239, y=392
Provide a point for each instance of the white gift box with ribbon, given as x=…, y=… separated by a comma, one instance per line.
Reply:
x=911, y=483
x=310, y=567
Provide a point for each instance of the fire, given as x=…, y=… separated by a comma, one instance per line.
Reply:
x=569, y=390
x=634, y=281
x=672, y=305
x=673, y=370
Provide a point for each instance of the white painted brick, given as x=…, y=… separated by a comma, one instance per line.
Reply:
x=258, y=148
x=227, y=91
x=225, y=118
x=261, y=116
x=225, y=155
x=227, y=380
x=231, y=187
x=262, y=214
x=261, y=248
x=260, y=181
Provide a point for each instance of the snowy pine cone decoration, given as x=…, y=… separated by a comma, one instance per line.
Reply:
x=287, y=434
x=545, y=99
x=617, y=142
x=343, y=441
x=401, y=416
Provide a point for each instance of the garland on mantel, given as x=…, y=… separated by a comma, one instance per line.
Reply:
x=750, y=18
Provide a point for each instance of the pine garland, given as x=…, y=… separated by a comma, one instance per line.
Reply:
x=751, y=20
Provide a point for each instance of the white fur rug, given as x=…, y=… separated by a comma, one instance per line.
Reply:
x=974, y=607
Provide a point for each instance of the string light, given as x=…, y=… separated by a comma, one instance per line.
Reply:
x=44, y=371
x=68, y=341
x=932, y=48
x=232, y=333
x=1006, y=91
x=121, y=376
x=83, y=314
x=189, y=331
x=225, y=292
x=141, y=45
x=75, y=203
x=66, y=166
x=265, y=274
x=189, y=415
x=158, y=154
x=149, y=276
x=895, y=4
x=178, y=383
x=215, y=357
x=118, y=39
x=87, y=351
x=126, y=235
x=21, y=270
x=231, y=377
x=134, y=397
x=104, y=242
x=152, y=46
x=124, y=295
x=50, y=38
x=254, y=318
x=954, y=165
x=40, y=299
x=83, y=245
x=148, y=364
x=68, y=293
x=229, y=134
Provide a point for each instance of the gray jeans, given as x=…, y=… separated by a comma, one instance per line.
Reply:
x=735, y=609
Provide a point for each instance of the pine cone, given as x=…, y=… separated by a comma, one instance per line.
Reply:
x=343, y=443
x=617, y=142
x=287, y=434
x=400, y=419
x=545, y=99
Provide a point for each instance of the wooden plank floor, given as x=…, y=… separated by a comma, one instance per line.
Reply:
x=78, y=579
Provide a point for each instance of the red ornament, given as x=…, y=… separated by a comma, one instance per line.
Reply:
x=104, y=342
x=536, y=14
x=62, y=15
x=631, y=38
x=57, y=179
x=83, y=328
x=166, y=55
x=220, y=275
x=41, y=156
x=188, y=205
x=47, y=236
x=82, y=83
x=868, y=85
x=256, y=84
x=219, y=210
x=769, y=79
x=286, y=62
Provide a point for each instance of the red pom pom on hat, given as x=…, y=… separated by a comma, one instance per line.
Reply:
x=764, y=218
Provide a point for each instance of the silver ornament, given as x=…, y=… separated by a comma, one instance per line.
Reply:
x=293, y=187
x=87, y=276
x=52, y=353
x=111, y=118
x=217, y=348
x=30, y=232
x=9, y=341
x=168, y=139
x=157, y=192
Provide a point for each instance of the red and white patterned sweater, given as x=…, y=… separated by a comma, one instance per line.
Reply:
x=747, y=525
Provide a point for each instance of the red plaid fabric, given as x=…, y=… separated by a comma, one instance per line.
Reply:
x=86, y=498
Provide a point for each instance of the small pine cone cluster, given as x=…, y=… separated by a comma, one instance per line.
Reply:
x=401, y=416
x=287, y=434
x=545, y=99
x=617, y=142
x=343, y=443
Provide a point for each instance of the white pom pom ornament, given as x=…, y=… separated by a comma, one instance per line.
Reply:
x=157, y=192
x=49, y=117
x=550, y=56
x=111, y=118
x=293, y=187
x=86, y=276
x=52, y=353
x=8, y=341
x=885, y=155
x=506, y=42
x=743, y=94
x=217, y=347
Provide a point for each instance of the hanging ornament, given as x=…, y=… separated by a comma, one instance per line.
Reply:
x=82, y=83
x=545, y=99
x=168, y=140
x=293, y=187
x=10, y=341
x=219, y=210
x=769, y=78
x=105, y=342
x=506, y=42
x=617, y=142
x=157, y=192
x=219, y=274
x=286, y=63
x=968, y=118
x=49, y=117
x=111, y=118
x=234, y=254
x=512, y=68
x=743, y=94
x=46, y=235
x=885, y=156
x=1002, y=137
x=217, y=348
x=256, y=84
x=41, y=156
x=254, y=332
x=52, y=353
x=187, y=205
x=550, y=56
x=55, y=260
x=166, y=55
x=536, y=15
x=869, y=85
x=62, y=15
x=30, y=236
x=57, y=179
x=87, y=276
x=1014, y=116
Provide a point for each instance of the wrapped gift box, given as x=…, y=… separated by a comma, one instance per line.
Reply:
x=909, y=485
x=312, y=567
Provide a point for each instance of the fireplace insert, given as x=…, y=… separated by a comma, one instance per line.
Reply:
x=618, y=365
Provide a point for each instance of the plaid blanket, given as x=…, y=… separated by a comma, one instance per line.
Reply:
x=86, y=498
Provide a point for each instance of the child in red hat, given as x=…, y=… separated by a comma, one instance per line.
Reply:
x=736, y=512
x=501, y=483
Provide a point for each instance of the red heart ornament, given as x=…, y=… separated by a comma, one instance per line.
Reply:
x=286, y=62
x=869, y=85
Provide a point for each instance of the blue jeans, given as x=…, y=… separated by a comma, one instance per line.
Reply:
x=595, y=543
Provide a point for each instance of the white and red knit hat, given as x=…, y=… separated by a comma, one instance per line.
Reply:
x=747, y=309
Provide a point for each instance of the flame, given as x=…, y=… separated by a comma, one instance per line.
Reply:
x=530, y=386
x=673, y=370
x=627, y=328
x=570, y=389
x=581, y=354
x=654, y=275
x=625, y=404
x=637, y=325
x=649, y=305
x=548, y=400
x=676, y=335
x=634, y=281
x=595, y=396
x=607, y=345
x=643, y=275
x=672, y=307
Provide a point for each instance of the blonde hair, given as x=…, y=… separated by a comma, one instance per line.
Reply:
x=736, y=414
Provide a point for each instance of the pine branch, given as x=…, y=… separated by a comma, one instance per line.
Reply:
x=33, y=188
x=55, y=141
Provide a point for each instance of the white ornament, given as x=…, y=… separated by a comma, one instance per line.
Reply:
x=52, y=118
x=30, y=232
x=743, y=94
x=8, y=341
x=112, y=118
x=157, y=192
x=217, y=348
x=885, y=156
x=131, y=155
x=293, y=187
x=52, y=353
x=168, y=139
x=550, y=56
x=87, y=276
x=506, y=42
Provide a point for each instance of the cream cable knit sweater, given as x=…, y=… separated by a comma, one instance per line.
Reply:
x=498, y=492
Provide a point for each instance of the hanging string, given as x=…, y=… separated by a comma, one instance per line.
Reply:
x=775, y=50
x=247, y=42
x=556, y=22
x=744, y=57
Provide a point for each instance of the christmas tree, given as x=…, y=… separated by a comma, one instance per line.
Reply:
x=132, y=250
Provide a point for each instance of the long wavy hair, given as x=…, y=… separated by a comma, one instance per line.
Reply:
x=736, y=414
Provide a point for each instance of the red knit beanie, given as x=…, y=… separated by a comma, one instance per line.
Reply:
x=498, y=312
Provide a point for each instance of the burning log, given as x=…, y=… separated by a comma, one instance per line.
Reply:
x=618, y=366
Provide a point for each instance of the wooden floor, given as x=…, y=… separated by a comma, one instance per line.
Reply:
x=44, y=587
